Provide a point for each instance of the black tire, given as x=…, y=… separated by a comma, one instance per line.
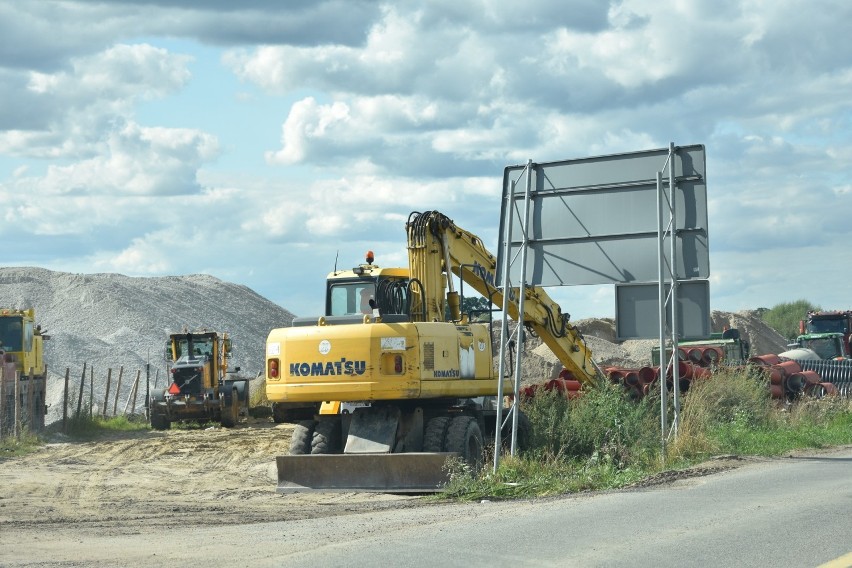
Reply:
x=231, y=414
x=465, y=437
x=525, y=433
x=326, y=437
x=300, y=442
x=160, y=421
x=279, y=413
x=435, y=434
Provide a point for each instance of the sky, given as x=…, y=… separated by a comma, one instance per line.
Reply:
x=266, y=142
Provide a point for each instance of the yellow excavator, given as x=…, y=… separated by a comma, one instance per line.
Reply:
x=401, y=379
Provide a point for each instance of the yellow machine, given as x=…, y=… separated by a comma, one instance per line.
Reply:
x=418, y=374
x=201, y=388
x=22, y=351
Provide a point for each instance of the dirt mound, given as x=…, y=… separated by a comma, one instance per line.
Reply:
x=539, y=363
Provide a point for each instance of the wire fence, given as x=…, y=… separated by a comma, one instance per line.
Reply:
x=23, y=406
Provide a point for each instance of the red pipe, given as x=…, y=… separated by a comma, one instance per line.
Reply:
x=712, y=356
x=695, y=354
x=789, y=367
x=776, y=391
x=631, y=378
x=765, y=360
x=649, y=374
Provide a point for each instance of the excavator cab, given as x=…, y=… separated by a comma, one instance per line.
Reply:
x=366, y=288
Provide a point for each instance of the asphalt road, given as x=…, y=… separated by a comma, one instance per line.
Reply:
x=782, y=512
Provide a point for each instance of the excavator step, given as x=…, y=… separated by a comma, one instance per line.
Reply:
x=422, y=472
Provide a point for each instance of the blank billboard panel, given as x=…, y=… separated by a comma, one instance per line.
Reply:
x=637, y=310
x=594, y=220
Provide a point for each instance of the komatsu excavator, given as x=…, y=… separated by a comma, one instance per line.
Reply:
x=401, y=378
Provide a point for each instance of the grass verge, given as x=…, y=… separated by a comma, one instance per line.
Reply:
x=603, y=440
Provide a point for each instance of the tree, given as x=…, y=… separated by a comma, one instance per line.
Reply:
x=784, y=318
x=475, y=306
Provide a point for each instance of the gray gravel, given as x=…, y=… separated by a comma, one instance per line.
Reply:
x=111, y=320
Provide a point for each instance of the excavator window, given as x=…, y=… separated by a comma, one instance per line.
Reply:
x=351, y=298
x=11, y=334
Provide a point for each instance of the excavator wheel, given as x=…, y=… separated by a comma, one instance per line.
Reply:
x=326, y=437
x=435, y=434
x=231, y=414
x=300, y=442
x=465, y=437
x=279, y=413
x=524, y=440
x=160, y=421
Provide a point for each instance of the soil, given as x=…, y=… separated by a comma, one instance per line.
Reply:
x=180, y=477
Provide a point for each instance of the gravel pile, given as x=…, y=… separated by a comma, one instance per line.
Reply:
x=539, y=364
x=111, y=320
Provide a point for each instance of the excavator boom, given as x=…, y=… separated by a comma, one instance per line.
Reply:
x=436, y=245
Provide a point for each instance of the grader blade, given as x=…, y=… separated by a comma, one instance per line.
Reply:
x=386, y=473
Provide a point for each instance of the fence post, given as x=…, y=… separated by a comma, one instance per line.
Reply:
x=147, y=391
x=117, y=390
x=2, y=401
x=31, y=401
x=80, y=395
x=91, y=390
x=132, y=395
x=41, y=410
x=106, y=396
x=17, y=426
x=135, y=390
x=65, y=402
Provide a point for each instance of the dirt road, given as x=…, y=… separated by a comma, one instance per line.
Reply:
x=176, y=478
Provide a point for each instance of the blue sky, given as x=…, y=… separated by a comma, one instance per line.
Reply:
x=257, y=141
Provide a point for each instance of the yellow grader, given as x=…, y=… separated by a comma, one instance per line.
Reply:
x=201, y=389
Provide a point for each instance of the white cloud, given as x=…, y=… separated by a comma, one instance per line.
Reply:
x=83, y=102
x=137, y=161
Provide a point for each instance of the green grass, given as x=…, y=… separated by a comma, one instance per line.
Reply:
x=79, y=428
x=90, y=427
x=604, y=441
x=11, y=446
x=786, y=433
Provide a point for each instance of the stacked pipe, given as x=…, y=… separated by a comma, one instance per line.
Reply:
x=836, y=372
x=565, y=383
x=789, y=378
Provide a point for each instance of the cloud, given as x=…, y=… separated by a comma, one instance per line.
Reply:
x=69, y=111
x=138, y=161
x=75, y=28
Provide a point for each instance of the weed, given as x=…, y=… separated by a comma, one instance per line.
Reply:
x=605, y=440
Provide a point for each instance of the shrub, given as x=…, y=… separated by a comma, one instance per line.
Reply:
x=784, y=318
x=603, y=425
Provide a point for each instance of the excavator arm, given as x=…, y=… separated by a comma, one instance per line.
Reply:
x=436, y=247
